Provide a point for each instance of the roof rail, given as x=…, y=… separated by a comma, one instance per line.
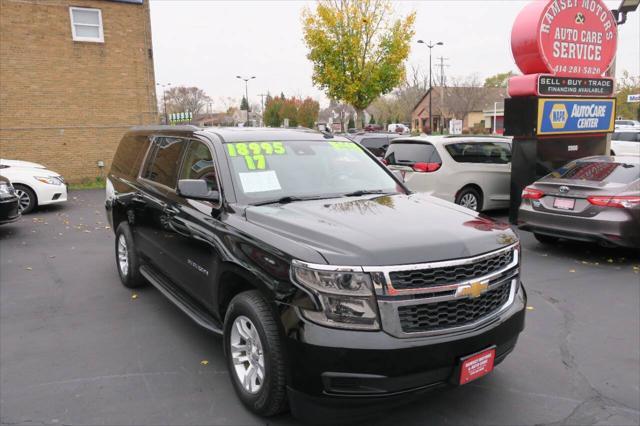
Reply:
x=159, y=127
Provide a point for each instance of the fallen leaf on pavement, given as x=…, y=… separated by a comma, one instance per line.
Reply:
x=572, y=270
x=530, y=308
x=204, y=362
x=134, y=296
x=29, y=268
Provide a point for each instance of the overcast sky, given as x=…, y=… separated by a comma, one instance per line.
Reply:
x=207, y=43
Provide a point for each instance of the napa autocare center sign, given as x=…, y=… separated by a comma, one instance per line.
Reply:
x=573, y=115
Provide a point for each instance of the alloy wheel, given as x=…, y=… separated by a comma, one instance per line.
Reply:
x=469, y=201
x=247, y=354
x=23, y=199
x=123, y=255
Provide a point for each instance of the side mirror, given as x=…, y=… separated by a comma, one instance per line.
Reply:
x=398, y=174
x=197, y=189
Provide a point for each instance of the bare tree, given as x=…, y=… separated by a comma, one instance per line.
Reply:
x=465, y=95
x=183, y=99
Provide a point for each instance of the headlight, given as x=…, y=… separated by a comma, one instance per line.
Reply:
x=51, y=180
x=346, y=297
x=5, y=189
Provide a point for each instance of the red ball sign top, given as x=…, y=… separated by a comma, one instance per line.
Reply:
x=565, y=37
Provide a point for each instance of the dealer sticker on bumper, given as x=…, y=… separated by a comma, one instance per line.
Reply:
x=477, y=365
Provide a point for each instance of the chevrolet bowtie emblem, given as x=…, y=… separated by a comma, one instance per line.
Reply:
x=472, y=290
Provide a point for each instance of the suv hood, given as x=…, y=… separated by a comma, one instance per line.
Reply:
x=384, y=230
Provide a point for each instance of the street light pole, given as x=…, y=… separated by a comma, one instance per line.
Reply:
x=430, y=45
x=246, y=90
x=164, y=100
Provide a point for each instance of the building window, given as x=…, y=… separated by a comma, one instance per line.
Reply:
x=86, y=24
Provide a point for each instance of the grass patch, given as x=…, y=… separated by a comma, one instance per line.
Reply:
x=86, y=183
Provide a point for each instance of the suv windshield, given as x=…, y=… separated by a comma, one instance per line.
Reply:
x=271, y=171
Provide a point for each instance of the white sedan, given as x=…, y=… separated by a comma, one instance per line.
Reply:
x=472, y=171
x=34, y=184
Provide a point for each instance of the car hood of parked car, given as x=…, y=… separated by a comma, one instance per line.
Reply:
x=20, y=163
x=384, y=230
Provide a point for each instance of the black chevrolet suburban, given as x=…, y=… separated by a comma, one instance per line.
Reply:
x=330, y=282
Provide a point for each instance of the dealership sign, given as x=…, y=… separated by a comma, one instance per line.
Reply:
x=565, y=37
x=633, y=98
x=568, y=116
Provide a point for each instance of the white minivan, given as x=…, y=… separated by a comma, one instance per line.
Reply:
x=472, y=171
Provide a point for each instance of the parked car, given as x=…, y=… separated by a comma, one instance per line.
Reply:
x=272, y=238
x=472, y=171
x=376, y=142
x=398, y=128
x=9, y=211
x=593, y=199
x=34, y=184
x=627, y=124
x=625, y=142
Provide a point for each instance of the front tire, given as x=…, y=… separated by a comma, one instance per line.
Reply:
x=127, y=259
x=469, y=198
x=27, y=199
x=255, y=354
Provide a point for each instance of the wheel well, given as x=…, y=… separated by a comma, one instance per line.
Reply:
x=32, y=190
x=231, y=284
x=474, y=186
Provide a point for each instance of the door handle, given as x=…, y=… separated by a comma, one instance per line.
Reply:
x=176, y=224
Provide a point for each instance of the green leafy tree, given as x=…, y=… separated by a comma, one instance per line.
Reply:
x=358, y=49
x=272, y=112
x=290, y=110
x=625, y=86
x=372, y=120
x=499, y=80
x=351, y=124
x=244, y=105
x=308, y=112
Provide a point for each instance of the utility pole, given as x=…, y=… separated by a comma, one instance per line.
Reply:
x=430, y=45
x=262, y=96
x=442, y=81
x=164, y=100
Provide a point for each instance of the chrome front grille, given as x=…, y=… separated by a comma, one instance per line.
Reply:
x=452, y=313
x=423, y=278
x=446, y=297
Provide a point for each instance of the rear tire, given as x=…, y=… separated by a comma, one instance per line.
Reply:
x=252, y=340
x=545, y=239
x=27, y=198
x=470, y=198
x=127, y=260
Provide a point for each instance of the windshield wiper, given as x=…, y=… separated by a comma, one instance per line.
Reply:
x=367, y=192
x=286, y=200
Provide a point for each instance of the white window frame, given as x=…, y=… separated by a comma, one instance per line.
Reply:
x=99, y=39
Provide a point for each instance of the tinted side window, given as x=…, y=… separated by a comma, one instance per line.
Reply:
x=480, y=152
x=411, y=153
x=130, y=154
x=164, y=162
x=198, y=164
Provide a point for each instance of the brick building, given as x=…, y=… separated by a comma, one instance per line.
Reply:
x=74, y=75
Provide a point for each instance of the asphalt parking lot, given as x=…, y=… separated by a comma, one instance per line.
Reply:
x=76, y=347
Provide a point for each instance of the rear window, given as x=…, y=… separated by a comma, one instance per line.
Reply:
x=626, y=136
x=374, y=142
x=599, y=171
x=411, y=153
x=480, y=152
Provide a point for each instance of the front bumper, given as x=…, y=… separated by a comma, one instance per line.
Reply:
x=9, y=210
x=51, y=194
x=331, y=366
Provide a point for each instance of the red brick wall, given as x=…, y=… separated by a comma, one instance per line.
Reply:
x=65, y=103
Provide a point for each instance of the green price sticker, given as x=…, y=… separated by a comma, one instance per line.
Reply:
x=344, y=146
x=254, y=152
